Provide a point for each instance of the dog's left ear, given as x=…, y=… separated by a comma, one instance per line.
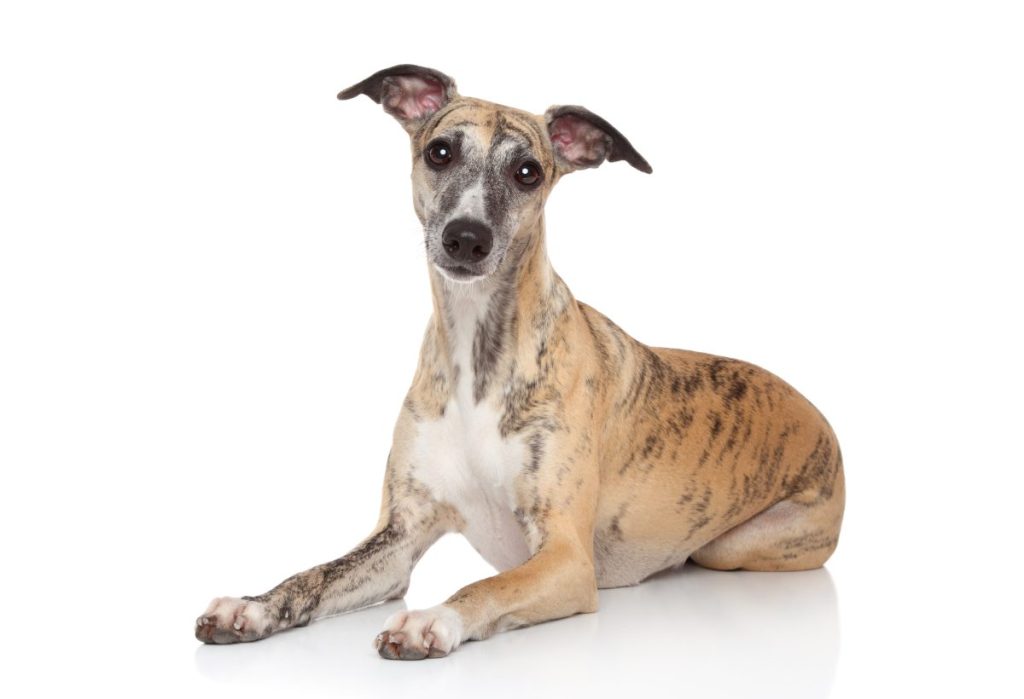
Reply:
x=411, y=94
x=583, y=139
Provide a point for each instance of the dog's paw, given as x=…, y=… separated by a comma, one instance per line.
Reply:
x=233, y=620
x=431, y=633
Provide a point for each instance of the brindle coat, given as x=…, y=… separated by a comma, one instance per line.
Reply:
x=572, y=456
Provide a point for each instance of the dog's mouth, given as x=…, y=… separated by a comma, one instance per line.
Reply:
x=467, y=272
x=459, y=273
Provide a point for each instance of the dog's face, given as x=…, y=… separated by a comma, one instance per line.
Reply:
x=481, y=174
x=482, y=171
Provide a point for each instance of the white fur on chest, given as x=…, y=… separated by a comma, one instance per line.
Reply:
x=465, y=461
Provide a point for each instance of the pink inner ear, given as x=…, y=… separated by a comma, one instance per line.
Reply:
x=411, y=97
x=578, y=141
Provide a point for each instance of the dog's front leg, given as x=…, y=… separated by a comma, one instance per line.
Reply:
x=375, y=570
x=558, y=581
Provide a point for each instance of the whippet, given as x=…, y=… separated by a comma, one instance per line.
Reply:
x=570, y=455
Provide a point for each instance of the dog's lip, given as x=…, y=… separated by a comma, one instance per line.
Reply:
x=459, y=271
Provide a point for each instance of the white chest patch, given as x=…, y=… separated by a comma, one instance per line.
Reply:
x=466, y=463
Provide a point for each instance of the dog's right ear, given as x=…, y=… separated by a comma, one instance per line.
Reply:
x=411, y=94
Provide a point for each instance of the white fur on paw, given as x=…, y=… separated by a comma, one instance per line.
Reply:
x=430, y=633
x=230, y=620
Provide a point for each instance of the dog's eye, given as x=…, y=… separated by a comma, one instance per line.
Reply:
x=439, y=154
x=528, y=174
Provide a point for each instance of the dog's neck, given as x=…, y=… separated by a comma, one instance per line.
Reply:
x=487, y=331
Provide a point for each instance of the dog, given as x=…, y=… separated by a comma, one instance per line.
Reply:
x=570, y=455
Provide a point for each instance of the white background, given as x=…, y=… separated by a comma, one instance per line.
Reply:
x=212, y=292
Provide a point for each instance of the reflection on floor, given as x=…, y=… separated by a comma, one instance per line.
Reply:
x=702, y=633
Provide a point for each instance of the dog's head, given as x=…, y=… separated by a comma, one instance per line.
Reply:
x=482, y=171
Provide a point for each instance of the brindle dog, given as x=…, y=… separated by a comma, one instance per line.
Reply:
x=570, y=455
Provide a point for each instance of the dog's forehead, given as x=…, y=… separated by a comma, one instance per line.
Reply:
x=490, y=123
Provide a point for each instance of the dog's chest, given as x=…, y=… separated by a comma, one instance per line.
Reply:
x=465, y=460
x=466, y=463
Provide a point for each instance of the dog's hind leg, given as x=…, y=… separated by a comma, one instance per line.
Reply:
x=798, y=533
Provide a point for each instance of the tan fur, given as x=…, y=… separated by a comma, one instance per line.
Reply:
x=640, y=458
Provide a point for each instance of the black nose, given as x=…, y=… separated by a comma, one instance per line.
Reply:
x=466, y=240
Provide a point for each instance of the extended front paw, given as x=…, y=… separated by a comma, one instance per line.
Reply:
x=233, y=620
x=431, y=633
